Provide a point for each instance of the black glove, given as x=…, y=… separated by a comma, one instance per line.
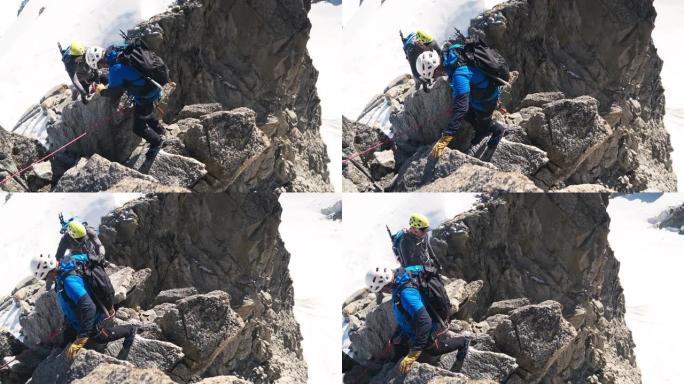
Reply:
x=84, y=98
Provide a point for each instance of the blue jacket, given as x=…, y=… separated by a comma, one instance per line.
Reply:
x=470, y=87
x=74, y=298
x=410, y=311
x=124, y=77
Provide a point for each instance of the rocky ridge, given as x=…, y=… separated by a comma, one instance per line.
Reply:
x=212, y=299
x=239, y=114
x=542, y=299
x=585, y=107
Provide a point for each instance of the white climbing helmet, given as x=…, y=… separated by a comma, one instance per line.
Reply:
x=426, y=64
x=93, y=56
x=42, y=265
x=378, y=277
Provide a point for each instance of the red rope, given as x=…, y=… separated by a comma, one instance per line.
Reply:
x=49, y=155
x=414, y=129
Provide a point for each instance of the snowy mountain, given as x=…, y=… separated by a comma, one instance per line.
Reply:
x=650, y=271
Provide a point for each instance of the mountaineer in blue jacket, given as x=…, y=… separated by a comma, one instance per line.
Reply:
x=145, y=93
x=419, y=332
x=84, y=320
x=475, y=96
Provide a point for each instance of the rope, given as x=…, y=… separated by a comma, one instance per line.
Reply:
x=73, y=141
x=415, y=129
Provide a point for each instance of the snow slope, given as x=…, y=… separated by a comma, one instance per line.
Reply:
x=8, y=13
x=314, y=244
x=650, y=273
x=30, y=226
x=372, y=52
x=324, y=47
x=30, y=63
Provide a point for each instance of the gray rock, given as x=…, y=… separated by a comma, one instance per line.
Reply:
x=141, y=291
x=506, y=306
x=541, y=99
x=56, y=369
x=421, y=169
x=497, y=367
x=672, y=218
x=513, y=157
x=40, y=322
x=228, y=143
x=173, y=295
x=224, y=380
x=137, y=185
x=370, y=329
x=382, y=164
x=204, y=326
x=117, y=374
x=536, y=335
x=169, y=169
x=145, y=353
x=97, y=174
x=571, y=131
x=9, y=345
x=16, y=153
x=40, y=176
x=475, y=178
x=198, y=110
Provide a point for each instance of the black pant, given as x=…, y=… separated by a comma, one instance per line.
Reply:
x=109, y=334
x=484, y=126
x=145, y=124
x=439, y=346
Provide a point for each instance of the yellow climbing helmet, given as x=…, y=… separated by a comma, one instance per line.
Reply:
x=76, y=230
x=423, y=37
x=419, y=221
x=76, y=49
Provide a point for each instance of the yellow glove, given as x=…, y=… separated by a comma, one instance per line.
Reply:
x=99, y=88
x=442, y=143
x=406, y=362
x=75, y=347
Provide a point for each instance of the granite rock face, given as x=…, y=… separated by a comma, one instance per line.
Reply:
x=541, y=300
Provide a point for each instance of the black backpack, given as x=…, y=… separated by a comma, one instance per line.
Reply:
x=96, y=278
x=433, y=293
x=474, y=51
x=139, y=56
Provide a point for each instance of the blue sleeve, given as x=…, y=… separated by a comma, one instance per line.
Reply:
x=460, y=81
x=116, y=77
x=75, y=288
x=411, y=301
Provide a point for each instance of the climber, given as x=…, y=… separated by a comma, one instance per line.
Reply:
x=419, y=332
x=415, y=44
x=77, y=237
x=411, y=246
x=475, y=93
x=82, y=75
x=145, y=93
x=85, y=322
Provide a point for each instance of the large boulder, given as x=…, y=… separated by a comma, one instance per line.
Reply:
x=169, y=169
x=497, y=367
x=475, y=178
x=16, y=153
x=145, y=353
x=535, y=335
x=108, y=373
x=56, y=368
x=98, y=174
x=204, y=326
x=228, y=142
x=422, y=168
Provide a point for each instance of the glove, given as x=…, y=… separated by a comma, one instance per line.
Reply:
x=75, y=347
x=99, y=88
x=406, y=362
x=442, y=143
x=84, y=99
